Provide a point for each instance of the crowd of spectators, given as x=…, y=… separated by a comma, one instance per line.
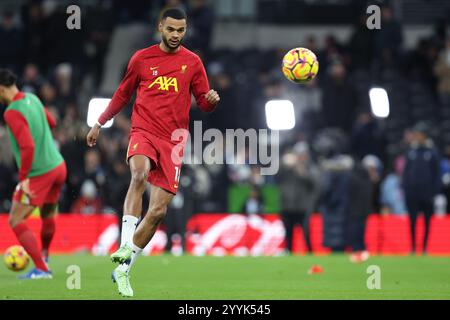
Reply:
x=337, y=145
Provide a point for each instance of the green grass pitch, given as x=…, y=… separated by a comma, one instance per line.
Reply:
x=187, y=277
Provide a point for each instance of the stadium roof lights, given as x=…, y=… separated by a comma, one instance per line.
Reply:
x=280, y=115
x=379, y=102
x=95, y=109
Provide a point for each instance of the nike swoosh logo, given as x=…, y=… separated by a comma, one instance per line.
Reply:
x=154, y=68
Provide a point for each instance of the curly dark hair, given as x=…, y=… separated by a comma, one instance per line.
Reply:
x=7, y=78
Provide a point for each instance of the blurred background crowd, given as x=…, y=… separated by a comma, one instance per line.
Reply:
x=339, y=159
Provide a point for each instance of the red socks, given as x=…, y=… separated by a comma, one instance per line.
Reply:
x=47, y=232
x=28, y=241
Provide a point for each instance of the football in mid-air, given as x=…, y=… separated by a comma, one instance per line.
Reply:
x=300, y=65
x=16, y=258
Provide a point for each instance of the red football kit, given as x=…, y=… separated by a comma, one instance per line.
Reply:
x=164, y=83
x=39, y=161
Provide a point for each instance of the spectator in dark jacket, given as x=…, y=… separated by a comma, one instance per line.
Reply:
x=339, y=99
x=202, y=17
x=389, y=39
x=12, y=42
x=421, y=180
x=299, y=188
x=363, y=182
x=117, y=181
x=180, y=210
x=367, y=137
x=335, y=201
x=361, y=45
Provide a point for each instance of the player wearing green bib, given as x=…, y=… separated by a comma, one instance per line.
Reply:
x=42, y=170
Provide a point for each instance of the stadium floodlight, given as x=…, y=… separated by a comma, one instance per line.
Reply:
x=379, y=102
x=95, y=109
x=280, y=115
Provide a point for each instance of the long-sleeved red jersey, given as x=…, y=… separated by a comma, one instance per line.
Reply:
x=20, y=130
x=164, y=83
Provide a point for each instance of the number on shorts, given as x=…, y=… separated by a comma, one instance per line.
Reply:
x=177, y=174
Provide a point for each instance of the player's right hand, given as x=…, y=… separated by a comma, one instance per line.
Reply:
x=25, y=186
x=92, y=136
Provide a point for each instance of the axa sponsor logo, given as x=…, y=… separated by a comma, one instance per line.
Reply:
x=165, y=83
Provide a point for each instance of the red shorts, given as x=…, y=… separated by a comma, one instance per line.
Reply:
x=46, y=187
x=165, y=157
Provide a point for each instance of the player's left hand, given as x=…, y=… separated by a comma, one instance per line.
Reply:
x=212, y=97
x=25, y=186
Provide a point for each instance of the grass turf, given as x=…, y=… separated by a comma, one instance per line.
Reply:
x=187, y=277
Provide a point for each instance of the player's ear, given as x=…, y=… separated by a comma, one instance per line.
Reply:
x=160, y=26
